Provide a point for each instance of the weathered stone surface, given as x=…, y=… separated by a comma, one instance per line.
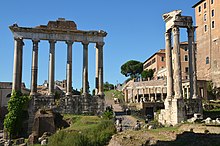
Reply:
x=44, y=122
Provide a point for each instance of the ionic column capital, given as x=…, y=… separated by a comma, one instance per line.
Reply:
x=52, y=41
x=85, y=42
x=175, y=30
x=168, y=35
x=69, y=42
x=18, y=39
x=100, y=43
x=35, y=41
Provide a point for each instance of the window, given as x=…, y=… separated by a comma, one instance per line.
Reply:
x=204, y=17
x=199, y=9
x=186, y=58
x=186, y=48
x=207, y=60
x=162, y=58
x=154, y=60
x=205, y=28
x=212, y=1
x=213, y=13
x=213, y=24
x=204, y=5
x=186, y=69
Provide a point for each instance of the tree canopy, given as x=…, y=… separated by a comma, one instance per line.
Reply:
x=132, y=68
x=108, y=86
x=147, y=74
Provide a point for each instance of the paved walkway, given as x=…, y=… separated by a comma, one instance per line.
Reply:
x=128, y=122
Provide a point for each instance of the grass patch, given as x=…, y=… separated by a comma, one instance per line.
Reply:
x=84, y=131
x=114, y=94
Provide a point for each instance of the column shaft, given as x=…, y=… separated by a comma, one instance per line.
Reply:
x=187, y=92
x=169, y=65
x=162, y=94
x=126, y=95
x=69, y=69
x=17, y=69
x=177, y=64
x=190, y=40
x=195, y=94
x=99, y=61
x=85, y=68
x=34, y=68
x=51, y=67
x=132, y=95
x=97, y=70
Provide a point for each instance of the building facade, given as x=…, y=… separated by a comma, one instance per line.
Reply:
x=207, y=14
x=157, y=62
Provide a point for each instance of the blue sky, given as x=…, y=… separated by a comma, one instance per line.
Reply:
x=135, y=31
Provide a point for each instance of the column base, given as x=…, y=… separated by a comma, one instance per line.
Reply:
x=33, y=93
x=85, y=94
x=50, y=94
x=68, y=94
x=178, y=97
x=96, y=91
x=195, y=97
x=101, y=94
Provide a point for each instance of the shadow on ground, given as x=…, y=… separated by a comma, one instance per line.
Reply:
x=192, y=139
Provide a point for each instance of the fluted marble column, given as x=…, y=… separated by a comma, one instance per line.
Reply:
x=34, y=68
x=69, y=68
x=99, y=67
x=169, y=65
x=51, y=67
x=85, y=68
x=17, y=69
x=177, y=64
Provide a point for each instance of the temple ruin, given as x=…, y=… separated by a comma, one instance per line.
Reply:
x=65, y=31
x=176, y=109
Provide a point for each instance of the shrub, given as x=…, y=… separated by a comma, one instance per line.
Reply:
x=14, y=118
x=92, y=136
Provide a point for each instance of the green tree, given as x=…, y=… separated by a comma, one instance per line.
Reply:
x=212, y=90
x=147, y=74
x=108, y=86
x=132, y=68
x=14, y=118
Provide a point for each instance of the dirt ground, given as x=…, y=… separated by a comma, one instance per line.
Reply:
x=186, y=134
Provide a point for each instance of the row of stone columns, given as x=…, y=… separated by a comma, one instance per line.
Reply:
x=17, y=73
x=132, y=97
x=174, y=76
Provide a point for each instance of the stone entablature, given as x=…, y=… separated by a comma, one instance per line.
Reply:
x=59, y=34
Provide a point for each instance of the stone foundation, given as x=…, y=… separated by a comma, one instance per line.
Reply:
x=173, y=113
x=178, y=110
x=74, y=104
